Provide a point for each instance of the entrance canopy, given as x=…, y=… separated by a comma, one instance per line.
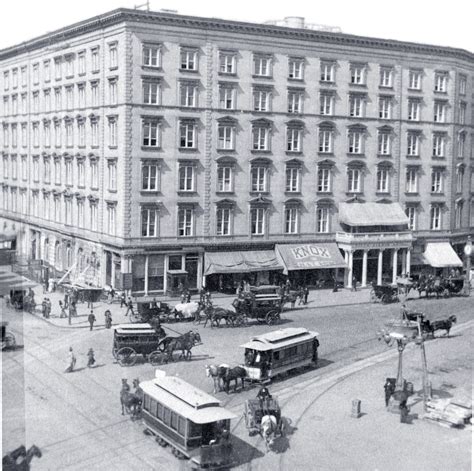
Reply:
x=441, y=255
x=240, y=262
x=310, y=256
x=372, y=214
x=6, y=236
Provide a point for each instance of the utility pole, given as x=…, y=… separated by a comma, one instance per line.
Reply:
x=424, y=367
x=467, y=253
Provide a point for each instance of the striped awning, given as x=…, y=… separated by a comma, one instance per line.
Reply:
x=240, y=262
x=372, y=214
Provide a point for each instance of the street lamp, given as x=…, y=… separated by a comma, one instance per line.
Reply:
x=402, y=341
x=467, y=253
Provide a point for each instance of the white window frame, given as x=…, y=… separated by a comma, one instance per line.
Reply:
x=439, y=145
x=95, y=65
x=260, y=138
x=354, y=180
x=223, y=221
x=295, y=101
x=326, y=141
x=386, y=77
x=356, y=142
x=327, y=72
x=259, y=178
x=113, y=55
x=413, y=144
x=439, y=112
x=151, y=55
x=383, y=180
x=188, y=95
x=358, y=74
x=113, y=91
x=81, y=62
x=411, y=180
x=385, y=108
x=441, y=82
x=294, y=139
x=414, y=79
x=185, y=222
x=357, y=106
x=293, y=179
x=186, y=177
x=227, y=62
x=225, y=178
x=149, y=217
x=414, y=108
x=113, y=132
x=150, y=177
x=262, y=66
x=81, y=174
x=257, y=221
x=326, y=104
x=384, y=143
x=111, y=175
x=188, y=59
x=227, y=97
x=296, y=68
x=435, y=217
x=437, y=181
x=411, y=213
x=226, y=136
x=292, y=214
x=262, y=100
x=187, y=135
x=150, y=133
x=323, y=216
x=324, y=179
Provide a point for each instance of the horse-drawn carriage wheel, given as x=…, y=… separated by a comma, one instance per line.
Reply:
x=271, y=317
x=156, y=358
x=126, y=356
x=114, y=352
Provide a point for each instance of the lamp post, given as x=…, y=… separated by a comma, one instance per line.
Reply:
x=467, y=253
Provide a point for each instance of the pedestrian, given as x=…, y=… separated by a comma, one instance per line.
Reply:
x=301, y=295
x=129, y=306
x=66, y=299
x=188, y=296
x=154, y=304
x=389, y=388
x=91, y=359
x=123, y=299
x=354, y=283
x=91, y=319
x=404, y=411
x=48, y=308
x=108, y=319
x=287, y=286
x=111, y=295
x=71, y=361
x=62, y=309
x=334, y=280
x=207, y=298
x=306, y=294
x=44, y=306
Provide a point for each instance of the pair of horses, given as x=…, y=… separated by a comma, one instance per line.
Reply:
x=131, y=402
x=215, y=315
x=223, y=374
x=184, y=343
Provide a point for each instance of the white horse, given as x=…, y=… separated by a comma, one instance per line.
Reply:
x=270, y=430
x=187, y=310
x=217, y=374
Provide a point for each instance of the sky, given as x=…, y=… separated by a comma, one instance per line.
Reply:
x=445, y=23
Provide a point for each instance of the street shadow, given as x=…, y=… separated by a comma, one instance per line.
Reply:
x=323, y=362
x=243, y=453
x=282, y=444
x=97, y=366
x=13, y=348
x=76, y=370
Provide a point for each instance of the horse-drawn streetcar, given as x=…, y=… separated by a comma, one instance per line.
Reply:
x=265, y=308
x=190, y=421
x=280, y=351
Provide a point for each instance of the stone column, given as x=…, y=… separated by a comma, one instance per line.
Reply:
x=346, y=269
x=364, y=268
x=394, y=266
x=146, y=275
x=379, y=267
x=349, y=271
x=408, y=261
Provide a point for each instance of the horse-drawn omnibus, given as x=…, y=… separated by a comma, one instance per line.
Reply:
x=277, y=352
x=191, y=421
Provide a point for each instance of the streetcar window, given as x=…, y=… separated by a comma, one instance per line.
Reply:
x=276, y=355
x=194, y=429
x=166, y=416
x=174, y=421
x=146, y=403
x=159, y=412
x=153, y=407
x=181, y=425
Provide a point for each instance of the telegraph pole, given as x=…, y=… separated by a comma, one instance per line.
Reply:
x=467, y=253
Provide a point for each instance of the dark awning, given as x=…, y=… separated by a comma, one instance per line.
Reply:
x=240, y=262
x=372, y=214
x=310, y=256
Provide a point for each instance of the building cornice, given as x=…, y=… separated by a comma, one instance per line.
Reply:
x=212, y=24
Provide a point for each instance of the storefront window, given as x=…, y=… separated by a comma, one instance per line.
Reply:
x=191, y=266
x=174, y=262
x=138, y=270
x=156, y=268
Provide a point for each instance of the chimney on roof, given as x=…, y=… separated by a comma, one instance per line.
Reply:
x=294, y=21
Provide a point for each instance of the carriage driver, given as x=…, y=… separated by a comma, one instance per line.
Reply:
x=264, y=397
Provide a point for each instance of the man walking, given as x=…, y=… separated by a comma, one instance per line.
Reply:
x=354, y=283
x=108, y=319
x=91, y=319
x=72, y=361
x=129, y=306
x=91, y=358
x=123, y=299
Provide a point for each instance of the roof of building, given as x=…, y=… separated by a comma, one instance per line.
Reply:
x=123, y=15
x=372, y=214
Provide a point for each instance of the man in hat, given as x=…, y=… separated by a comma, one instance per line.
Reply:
x=91, y=359
x=91, y=319
x=72, y=361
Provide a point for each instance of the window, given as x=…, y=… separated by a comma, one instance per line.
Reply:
x=439, y=145
x=69, y=97
x=185, y=222
x=226, y=139
x=386, y=77
x=150, y=129
x=35, y=203
x=462, y=84
x=95, y=93
x=460, y=145
x=412, y=180
x=152, y=55
x=81, y=174
x=94, y=174
x=257, y=221
x=24, y=135
x=322, y=219
x=46, y=72
x=441, y=82
x=410, y=211
x=81, y=131
x=324, y=179
x=6, y=80
x=358, y=72
x=414, y=109
x=112, y=122
x=354, y=180
x=436, y=181
x=46, y=207
x=227, y=62
x=57, y=98
x=35, y=74
x=261, y=138
x=35, y=134
x=261, y=100
x=439, y=115
x=24, y=77
x=69, y=133
x=462, y=113
x=93, y=215
x=356, y=105
x=24, y=101
x=150, y=177
x=293, y=177
x=14, y=135
x=113, y=91
x=385, y=107
x=15, y=104
x=14, y=164
x=95, y=59
x=113, y=55
x=226, y=97
x=327, y=72
x=47, y=170
x=225, y=178
x=24, y=168
x=6, y=135
x=69, y=66
x=5, y=166
x=188, y=59
x=383, y=180
x=47, y=100
x=295, y=68
x=384, y=143
x=187, y=135
x=81, y=63
x=112, y=175
x=326, y=101
x=294, y=139
x=36, y=172
x=326, y=140
x=188, y=94
x=35, y=102
x=223, y=220
x=57, y=68
x=81, y=92
x=57, y=133
x=459, y=179
x=259, y=178
x=186, y=177
x=151, y=93
x=356, y=139
x=291, y=219
x=435, y=218
x=111, y=218
x=68, y=169
x=295, y=101
x=262, y=66
x=413, y=144
x=414, y=79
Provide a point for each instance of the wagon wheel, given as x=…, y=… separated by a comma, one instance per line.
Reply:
x=8, y=340
x=126, y=356
x=272, y=317
x=114, y=352
x=156, y=358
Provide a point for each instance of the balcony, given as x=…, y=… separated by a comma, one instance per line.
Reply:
x=374, y=240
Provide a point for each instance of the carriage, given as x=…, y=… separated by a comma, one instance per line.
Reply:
x=254, y=411
x=148, y=311
x=278, y=352
x=190, y=421
x=384, y=294
x=265, y=308
x=131, y=340
x=8, y=339
x=454, y=285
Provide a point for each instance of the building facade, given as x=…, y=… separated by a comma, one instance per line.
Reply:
x=136, y=142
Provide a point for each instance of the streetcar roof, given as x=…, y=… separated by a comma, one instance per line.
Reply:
x=186, y=400
x=134, y=329
x=280, y=338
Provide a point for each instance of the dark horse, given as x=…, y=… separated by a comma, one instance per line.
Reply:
x=234, y=374
x=216, y=314
x=131, y=402
x=444, y=324
x=184, y=343
x=20, y=459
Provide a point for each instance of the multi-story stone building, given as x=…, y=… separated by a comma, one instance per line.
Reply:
x=148, y=143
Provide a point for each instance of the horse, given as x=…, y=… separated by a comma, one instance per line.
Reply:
x=444, y=324
x=291, y=297
x=187, y=310
x=131, y=402
x=217, y=374
x=184, y=343
x=234, y=374
x=215, y=314
x=10, y=460
x=269, y=430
